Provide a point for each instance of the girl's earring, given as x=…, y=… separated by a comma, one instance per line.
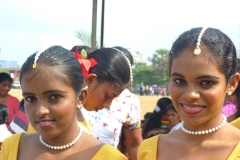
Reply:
x=79, y=106
x=229, y=93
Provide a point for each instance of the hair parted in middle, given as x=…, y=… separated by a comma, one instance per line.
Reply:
x=221, y=50
x=64, y=64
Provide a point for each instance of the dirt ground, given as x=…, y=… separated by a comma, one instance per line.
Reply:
x=147, y=103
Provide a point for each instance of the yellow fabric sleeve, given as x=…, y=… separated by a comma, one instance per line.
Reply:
x=236, y=123
x=148, y=149
x=109, y=152
x=10, y=147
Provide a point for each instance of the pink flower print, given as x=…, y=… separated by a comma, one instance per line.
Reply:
x=105, y=124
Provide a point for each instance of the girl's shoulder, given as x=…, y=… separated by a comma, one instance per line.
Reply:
x=107, y=151
x=148, y=148
x=10, y=146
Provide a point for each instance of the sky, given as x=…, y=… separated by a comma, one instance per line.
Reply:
x=143, y=25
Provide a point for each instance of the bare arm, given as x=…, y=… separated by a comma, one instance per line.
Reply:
x=133, y=140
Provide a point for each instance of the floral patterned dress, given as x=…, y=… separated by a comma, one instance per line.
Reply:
x=107, y=123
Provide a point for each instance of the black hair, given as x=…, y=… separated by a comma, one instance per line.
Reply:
x=126, y=52
x=3, y=114
x=78, y=48
x=5, y=77
x=171, y=107
x=147, y=115
x=222, y=50
x=154, y=120
x=66, y=67
x=111, y=66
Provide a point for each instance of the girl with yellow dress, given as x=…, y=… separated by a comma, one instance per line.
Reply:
x=202, y=66
x=52, y=87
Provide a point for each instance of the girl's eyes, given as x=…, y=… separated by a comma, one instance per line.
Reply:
x=179, y=81
x=207, y=83
x=30, y=98
x=54, y=97
x=109, y=97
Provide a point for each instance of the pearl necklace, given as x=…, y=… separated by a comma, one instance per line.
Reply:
x=206, y=131
x=64, y=146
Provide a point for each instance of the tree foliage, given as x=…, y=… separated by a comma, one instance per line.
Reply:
x=160, y=61
x=85, y=38
x=157, y=73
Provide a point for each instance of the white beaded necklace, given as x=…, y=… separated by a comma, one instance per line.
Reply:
x=206, y=131
x=64, y=146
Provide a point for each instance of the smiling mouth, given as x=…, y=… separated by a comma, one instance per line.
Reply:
x=192, y=109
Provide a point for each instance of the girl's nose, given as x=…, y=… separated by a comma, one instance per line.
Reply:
x=42, y=110
x=191, y=95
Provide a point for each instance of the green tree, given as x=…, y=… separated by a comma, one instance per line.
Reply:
x=160, y=64
x=145, y=74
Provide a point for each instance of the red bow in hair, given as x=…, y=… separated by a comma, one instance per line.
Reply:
x=86, y=64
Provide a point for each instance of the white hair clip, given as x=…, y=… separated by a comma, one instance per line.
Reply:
x=197, y=50
x=129, y=63
x=36, y=57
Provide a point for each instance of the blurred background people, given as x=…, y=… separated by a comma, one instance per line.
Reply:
x=155, y=124
x=10, y=101
x=173, y=118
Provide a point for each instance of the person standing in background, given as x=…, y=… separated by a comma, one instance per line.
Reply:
x=10, y=101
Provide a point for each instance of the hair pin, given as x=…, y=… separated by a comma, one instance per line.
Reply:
x=197, y=50
x=36, y=57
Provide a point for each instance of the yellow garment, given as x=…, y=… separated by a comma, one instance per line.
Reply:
x=11, y=144
x=236, y=123
x=84, y=125
x=148, y=150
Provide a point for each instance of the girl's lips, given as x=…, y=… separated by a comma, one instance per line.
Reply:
x=192, y=109
x=45, y=123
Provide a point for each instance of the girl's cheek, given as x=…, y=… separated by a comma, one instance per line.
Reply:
x=214, y=94
x=174, y=91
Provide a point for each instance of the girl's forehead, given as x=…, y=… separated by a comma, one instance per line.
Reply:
x=188, y=62
x=42, y=72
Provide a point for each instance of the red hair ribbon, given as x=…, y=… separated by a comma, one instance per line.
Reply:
x=86, y=64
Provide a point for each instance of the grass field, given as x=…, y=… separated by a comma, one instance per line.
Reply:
x=147, y=103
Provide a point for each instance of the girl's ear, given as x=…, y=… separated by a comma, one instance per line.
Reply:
x=232, y=85
x=82, y=98
x=89, y=78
